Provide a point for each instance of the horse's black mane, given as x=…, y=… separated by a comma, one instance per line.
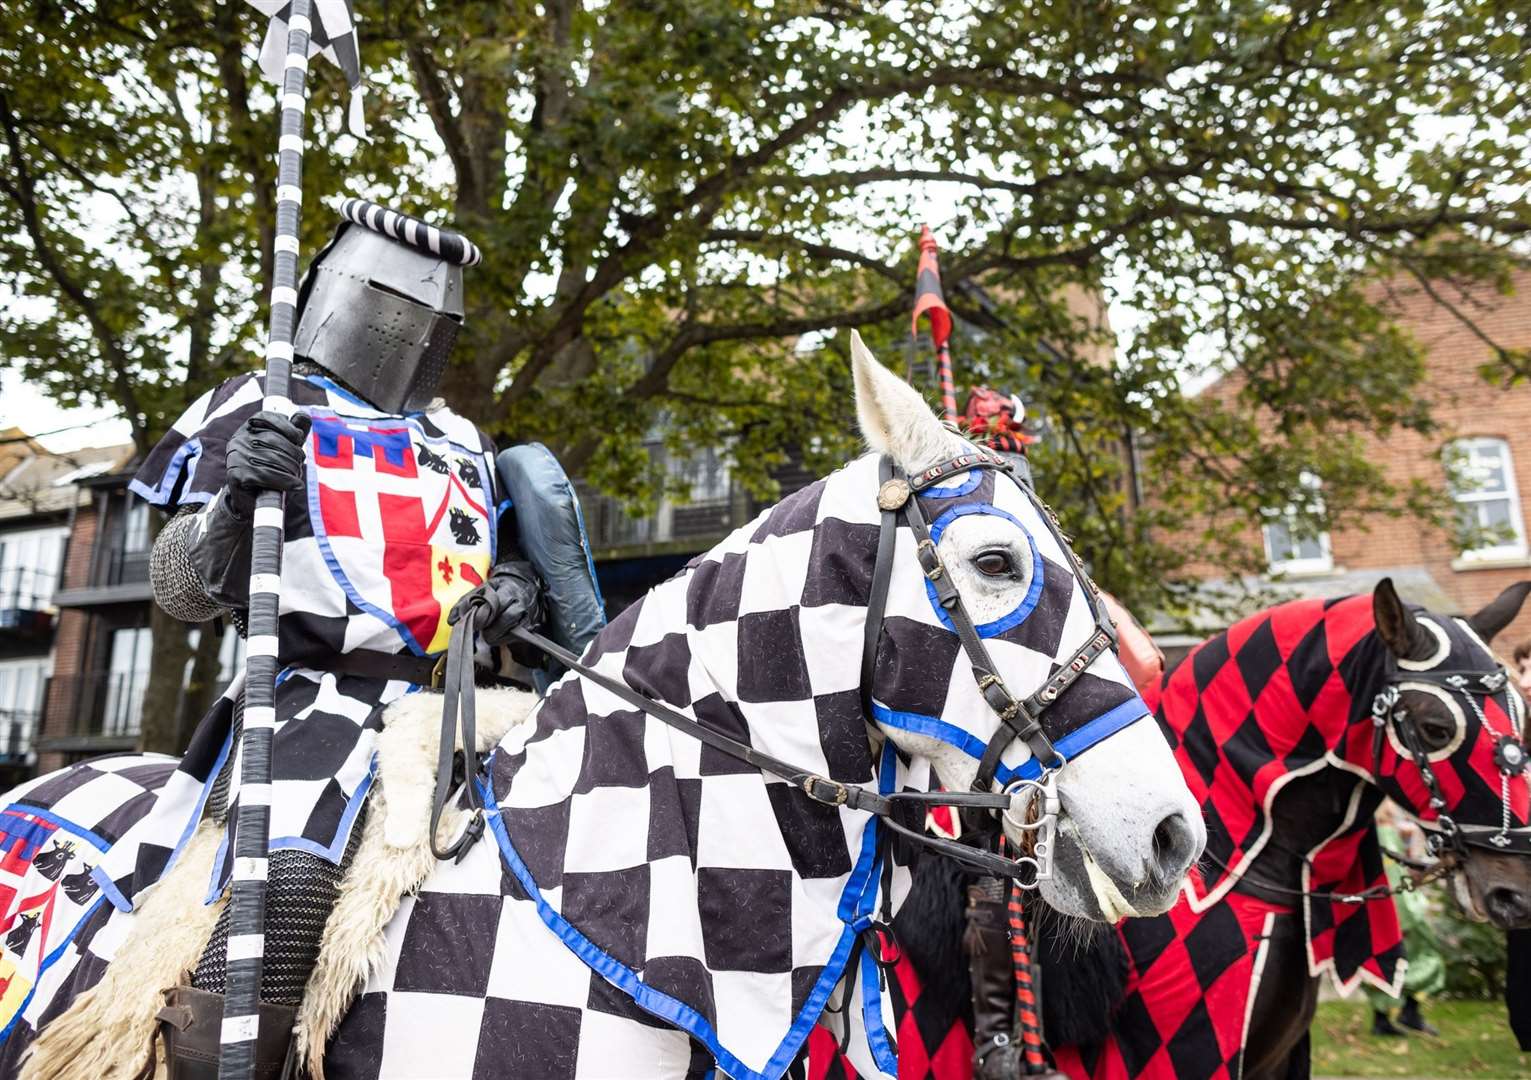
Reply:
x=1083, y=969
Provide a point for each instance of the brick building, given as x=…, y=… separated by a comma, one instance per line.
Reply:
x=40, y=502
x=1480, y=457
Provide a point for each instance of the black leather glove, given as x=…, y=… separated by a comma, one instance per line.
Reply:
x=510, y=598
x=265, y=454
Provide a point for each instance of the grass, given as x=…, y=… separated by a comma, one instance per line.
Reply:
x=1475, y=1042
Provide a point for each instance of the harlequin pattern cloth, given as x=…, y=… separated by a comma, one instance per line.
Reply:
x=397, y=522
x=932, y=1044
x=53, y=831
x=646, y=881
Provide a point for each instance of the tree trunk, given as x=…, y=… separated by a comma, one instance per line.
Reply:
x=158, y=731
x=201, y=684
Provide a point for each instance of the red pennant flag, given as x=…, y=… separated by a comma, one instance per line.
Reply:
x=930, y=302
x=928, y=297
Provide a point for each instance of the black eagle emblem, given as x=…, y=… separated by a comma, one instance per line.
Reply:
x=21, y=933
x=433, y=461
x=79, y=886
x=52, y=862
x=464, y=528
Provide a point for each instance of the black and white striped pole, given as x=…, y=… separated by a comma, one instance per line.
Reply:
x=247, y=901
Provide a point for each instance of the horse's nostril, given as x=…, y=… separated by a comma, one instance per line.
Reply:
x=1173, y=842
x=1508, y=907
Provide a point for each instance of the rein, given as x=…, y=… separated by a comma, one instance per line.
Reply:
x=903, y=812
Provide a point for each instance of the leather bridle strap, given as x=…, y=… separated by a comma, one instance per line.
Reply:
x=458, y=704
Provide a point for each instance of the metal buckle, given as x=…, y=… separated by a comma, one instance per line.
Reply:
x=439, y=672
x=935, y=568
x=841, y=796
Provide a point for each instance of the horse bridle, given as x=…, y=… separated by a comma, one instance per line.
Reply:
x=904, y=811
x=1445, y=835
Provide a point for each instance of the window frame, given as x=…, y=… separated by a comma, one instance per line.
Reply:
x=1516, y=548
x=1321, y=564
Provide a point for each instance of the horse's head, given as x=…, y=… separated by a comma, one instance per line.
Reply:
x=1128, y=828
x=1449, y=746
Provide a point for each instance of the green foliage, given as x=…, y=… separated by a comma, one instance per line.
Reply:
x=672, y=194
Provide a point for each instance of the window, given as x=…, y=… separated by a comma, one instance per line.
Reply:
x=1482, y=481
x=135, y=525
x=21, y=692
x=29, y=566
x=126, y=678
x=1292, y=546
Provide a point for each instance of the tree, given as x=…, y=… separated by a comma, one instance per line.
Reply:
x=672, y=197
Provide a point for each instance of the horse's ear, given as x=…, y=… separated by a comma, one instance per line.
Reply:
x=1500, y=611
x=894, y=418
x=1396, y=625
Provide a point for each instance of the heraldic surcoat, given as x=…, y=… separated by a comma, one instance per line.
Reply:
x=395, y=522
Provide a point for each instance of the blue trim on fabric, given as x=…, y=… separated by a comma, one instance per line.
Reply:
x=1088, y=734
x=207, y=789
x=49, y=961
x=967, y=487
x=215, y=879
x=871, y=1015
x=1033, y=595
x=62, y=822
x=337, y=846
x=334, y=389
x=662, y=1005
x=159, y=494
x=109, y=889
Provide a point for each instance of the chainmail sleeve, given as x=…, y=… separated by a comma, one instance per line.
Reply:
x=173, y=576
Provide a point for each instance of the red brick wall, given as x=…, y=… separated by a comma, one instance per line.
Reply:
x=71, y=642
x=1464, y=405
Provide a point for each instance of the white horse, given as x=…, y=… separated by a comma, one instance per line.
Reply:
x=644, y=906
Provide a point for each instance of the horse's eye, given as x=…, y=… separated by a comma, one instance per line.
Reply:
x=1436, y=731
x=994, y=564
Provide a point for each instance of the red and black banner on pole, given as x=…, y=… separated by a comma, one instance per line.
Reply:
x=930, y=302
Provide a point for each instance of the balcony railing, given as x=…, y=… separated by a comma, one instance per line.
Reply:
x=26, y=599
x=121, y=563
x=17, y=728
x=98, y=704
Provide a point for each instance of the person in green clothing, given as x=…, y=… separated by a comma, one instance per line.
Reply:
x=1426, y=973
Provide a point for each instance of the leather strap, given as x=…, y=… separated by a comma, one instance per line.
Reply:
x=403, y=667
x=458, y=713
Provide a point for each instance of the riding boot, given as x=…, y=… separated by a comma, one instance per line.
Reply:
x=1383, y=1025
x=996, y=1055
x=191, y=1023
x=1410, y=1017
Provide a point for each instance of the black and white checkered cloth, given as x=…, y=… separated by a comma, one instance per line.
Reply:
x=332, y=35
x=654, y=896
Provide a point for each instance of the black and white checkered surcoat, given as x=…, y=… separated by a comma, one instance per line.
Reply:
x=364, y=566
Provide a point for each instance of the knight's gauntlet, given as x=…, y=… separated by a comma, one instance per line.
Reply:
x=200, y=566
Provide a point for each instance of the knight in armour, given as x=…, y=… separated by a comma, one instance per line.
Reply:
x=396, y=514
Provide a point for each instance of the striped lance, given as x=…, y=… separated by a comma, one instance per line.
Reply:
x=247, y=903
